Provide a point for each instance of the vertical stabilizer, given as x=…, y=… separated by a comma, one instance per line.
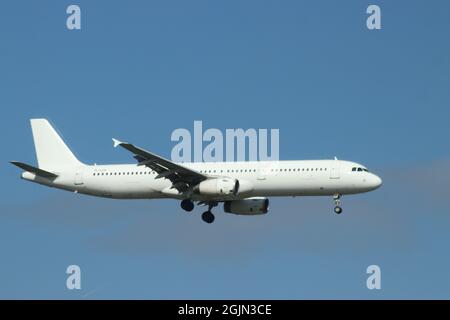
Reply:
x=51, y=151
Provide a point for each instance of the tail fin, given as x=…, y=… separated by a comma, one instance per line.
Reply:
x=51, y=151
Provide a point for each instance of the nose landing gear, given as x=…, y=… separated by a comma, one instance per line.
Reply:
x=337, y=202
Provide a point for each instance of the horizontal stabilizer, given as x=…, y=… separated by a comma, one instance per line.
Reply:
x=34, y=170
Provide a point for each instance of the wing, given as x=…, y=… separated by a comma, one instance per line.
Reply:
x=182, y=178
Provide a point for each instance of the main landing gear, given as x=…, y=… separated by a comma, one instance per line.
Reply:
x=208, y=216
x=337, y=202
x=187, y=205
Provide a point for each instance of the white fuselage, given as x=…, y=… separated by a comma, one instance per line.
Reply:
x=278, y=178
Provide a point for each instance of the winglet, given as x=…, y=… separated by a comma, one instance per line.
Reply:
x=116, y=142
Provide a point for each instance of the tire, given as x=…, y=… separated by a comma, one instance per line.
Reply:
x=208, y=217
x=338, y=210
x=187, y=205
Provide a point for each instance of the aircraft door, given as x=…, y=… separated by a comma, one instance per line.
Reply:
x=79, y=178
x=262, y=173
x=335, y=172
x=267, y=170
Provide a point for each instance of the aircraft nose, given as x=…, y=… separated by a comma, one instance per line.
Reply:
x=376, y=181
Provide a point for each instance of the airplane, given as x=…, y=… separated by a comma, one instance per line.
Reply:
x=242, y=187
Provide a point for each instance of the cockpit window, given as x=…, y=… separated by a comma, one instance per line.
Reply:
x=359, y=169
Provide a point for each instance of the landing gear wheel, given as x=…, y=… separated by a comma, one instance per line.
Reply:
x=208, y=217
x=187, y=205
x=338, y=210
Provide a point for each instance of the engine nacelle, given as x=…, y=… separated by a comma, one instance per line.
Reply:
x=249, y=206
x=218, y=187
x=244, y=187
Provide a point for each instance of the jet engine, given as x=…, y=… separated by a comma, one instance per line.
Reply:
x=249, y=206
x=218, y=187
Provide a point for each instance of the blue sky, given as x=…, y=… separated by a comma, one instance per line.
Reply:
x=139, y=70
